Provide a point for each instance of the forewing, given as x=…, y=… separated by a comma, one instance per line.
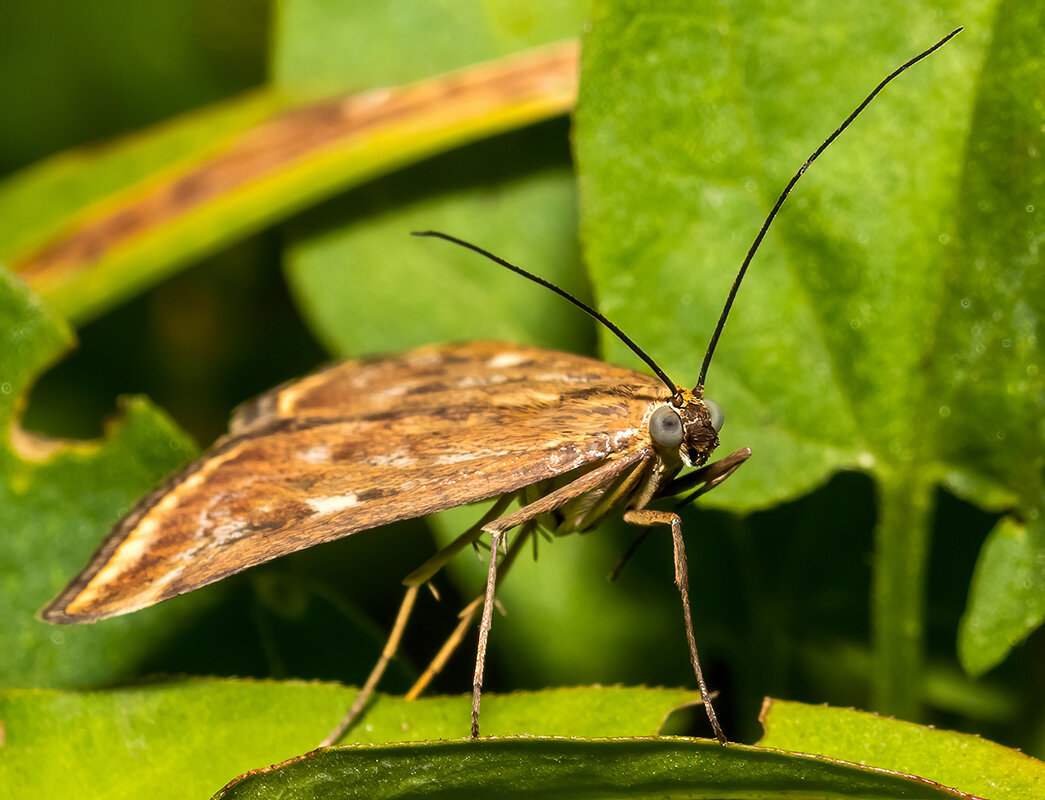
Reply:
x=361, y=444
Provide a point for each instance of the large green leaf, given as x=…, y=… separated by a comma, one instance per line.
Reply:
x=889, y=322
x=811, y=751
x=57, y=501
x=186, y=738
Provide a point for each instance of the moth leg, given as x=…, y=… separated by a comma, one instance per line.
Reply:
x=622, y=489
x=650, y=517
x=484, y=630
x=486, y=622
x=465, y=620
x=378, y=670
x=413, y=582
x=551, y=501
x=711, y=476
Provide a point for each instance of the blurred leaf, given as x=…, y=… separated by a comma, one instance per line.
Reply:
x=991, y=422
x=945, y=685
x=236, y=179
x=553, y=767
x=965, y=762
x=1007, y=599
x=186, y=738
x=39, y=201
x=57, y=502
x=892, y=310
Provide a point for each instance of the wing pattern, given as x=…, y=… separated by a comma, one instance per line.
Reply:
x=357, y=445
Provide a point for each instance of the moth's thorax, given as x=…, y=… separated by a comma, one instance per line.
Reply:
x=700, y=437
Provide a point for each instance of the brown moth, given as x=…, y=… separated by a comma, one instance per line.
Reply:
x=364, y=443
x=371, y=441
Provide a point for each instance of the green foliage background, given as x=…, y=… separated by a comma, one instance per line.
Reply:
x=883, y=548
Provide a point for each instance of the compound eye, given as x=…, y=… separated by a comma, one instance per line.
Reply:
x=718, y=416
x=665, y=426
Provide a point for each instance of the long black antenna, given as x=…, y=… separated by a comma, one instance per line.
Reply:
x=698, y=390
x=672, y=387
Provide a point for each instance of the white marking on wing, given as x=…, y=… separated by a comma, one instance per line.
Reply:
x=229, y=532
x=320, y=454
x=561, y=377
x=622, y=436
x=322, y=506
x=460, y=458
x=395, y=390
x=502, y=360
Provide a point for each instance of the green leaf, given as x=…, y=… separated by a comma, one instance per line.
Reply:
x=992, y=379
x=1007, y=599
x=888, y=323
x=57, y=501
x=537, y=767
x=186, y=738
x=965, y=762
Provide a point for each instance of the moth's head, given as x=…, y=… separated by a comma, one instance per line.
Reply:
x=689, y=423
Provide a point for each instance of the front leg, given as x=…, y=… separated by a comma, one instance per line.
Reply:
x=648, y=517
x=710, y=475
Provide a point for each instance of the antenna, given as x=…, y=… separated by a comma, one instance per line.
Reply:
x=674, y=388
x=699, y=389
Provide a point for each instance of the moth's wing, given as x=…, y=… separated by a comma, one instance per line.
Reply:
x=362, y=444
